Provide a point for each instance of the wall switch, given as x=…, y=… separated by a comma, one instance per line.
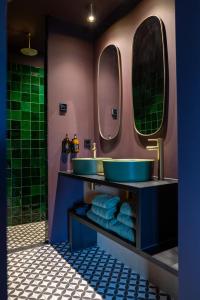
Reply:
x=62, y=108
x=87, y=144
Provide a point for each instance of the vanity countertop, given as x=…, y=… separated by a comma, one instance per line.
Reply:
x=98, y=179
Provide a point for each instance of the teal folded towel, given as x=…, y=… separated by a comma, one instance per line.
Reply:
x=106, y=201
x=126, y=220
x=104, y=212
x=123, y=230
x=99, y=220
x=128, y=208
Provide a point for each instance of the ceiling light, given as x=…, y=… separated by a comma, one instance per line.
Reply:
x=91, y=17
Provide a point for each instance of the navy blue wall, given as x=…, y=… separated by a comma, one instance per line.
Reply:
x=188, y=76
x=3, y=275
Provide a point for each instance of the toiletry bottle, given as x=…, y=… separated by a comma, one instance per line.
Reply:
x=66, y=145
x=75, y=144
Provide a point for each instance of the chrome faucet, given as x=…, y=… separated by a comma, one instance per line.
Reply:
x=94, y=150
x=160, y=155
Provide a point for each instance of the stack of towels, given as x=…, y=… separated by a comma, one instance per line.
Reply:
x=125, y=225
x=103, y=210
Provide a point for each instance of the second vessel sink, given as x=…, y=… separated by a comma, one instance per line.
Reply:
x=88, y=166
x=128, y=170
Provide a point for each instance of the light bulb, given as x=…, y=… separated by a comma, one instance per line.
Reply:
x=91, y=18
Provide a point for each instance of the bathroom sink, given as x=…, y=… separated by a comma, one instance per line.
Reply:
x=128, y=170
x=88, y=166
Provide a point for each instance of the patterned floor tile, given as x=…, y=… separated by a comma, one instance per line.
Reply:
x=53, y=272
x=26, y=235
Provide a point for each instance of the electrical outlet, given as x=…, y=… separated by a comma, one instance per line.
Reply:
x=114, y=113
x=87, y=144
x=62, y=108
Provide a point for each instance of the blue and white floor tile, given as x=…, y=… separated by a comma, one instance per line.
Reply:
x=46, y=272
x=26, y=235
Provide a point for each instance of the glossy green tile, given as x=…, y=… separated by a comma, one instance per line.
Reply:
x=16, y=96
x=41, y=90
x=35, y=80
x=26, y=88
x=41, y=106
x=25, y=106
x=41, y=99
x=15, y=86
x=16, y=201
x=41, y=125
x=26, y=219
x=26, y=134
x=26, y=97
x=35, y=98
x=15, y=115
x=26, y=124
x=16, y=220
x=16, y=163
x=26, y=115
x=26, y=79
x=35, y=107
x=35, y=190
x=35, y=70
x=15, y=105
x=16, y=211
x=35, y=89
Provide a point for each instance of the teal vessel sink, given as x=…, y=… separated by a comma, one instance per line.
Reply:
x=88, y=166
x=128, y=170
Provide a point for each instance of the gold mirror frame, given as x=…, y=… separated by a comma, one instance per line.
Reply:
x=164, y=59
x=110, y=137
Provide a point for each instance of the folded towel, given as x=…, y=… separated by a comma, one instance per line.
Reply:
x=82, y=210
x=106, y=213
x=103, y=222
x=126, y=220
x=106, y=201
x=128, y=208
x=123, y=230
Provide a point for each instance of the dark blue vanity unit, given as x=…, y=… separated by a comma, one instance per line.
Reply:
x=156, y=214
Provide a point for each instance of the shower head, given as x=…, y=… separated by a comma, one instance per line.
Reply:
x=29, y=51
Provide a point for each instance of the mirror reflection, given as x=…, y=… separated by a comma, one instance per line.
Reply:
x=109, y=92
x=149, y=76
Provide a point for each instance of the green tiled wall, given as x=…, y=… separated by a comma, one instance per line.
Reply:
x=148, y=112
x=26, y=145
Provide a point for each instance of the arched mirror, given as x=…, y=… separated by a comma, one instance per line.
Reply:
x=109, y=92
x=149, y=76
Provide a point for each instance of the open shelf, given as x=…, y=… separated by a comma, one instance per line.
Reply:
x=83, y=234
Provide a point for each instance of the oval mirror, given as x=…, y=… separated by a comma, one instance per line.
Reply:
x=149, y=76
x=109, y=92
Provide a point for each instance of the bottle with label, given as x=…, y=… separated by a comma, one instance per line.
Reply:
x=75, y=144
x=66, y=145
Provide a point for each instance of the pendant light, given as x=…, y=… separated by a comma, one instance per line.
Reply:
x=91, y=17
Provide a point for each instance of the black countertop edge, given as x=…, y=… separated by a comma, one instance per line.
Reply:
x=98, y=179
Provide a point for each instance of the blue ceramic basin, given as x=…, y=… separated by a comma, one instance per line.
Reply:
x=128, y=170
x=88, y=166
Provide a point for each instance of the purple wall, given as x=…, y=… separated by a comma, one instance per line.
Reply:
x=70, y=80
x=121, y=34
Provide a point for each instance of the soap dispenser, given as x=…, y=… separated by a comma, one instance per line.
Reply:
x=66, y=145
x=75, y=144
